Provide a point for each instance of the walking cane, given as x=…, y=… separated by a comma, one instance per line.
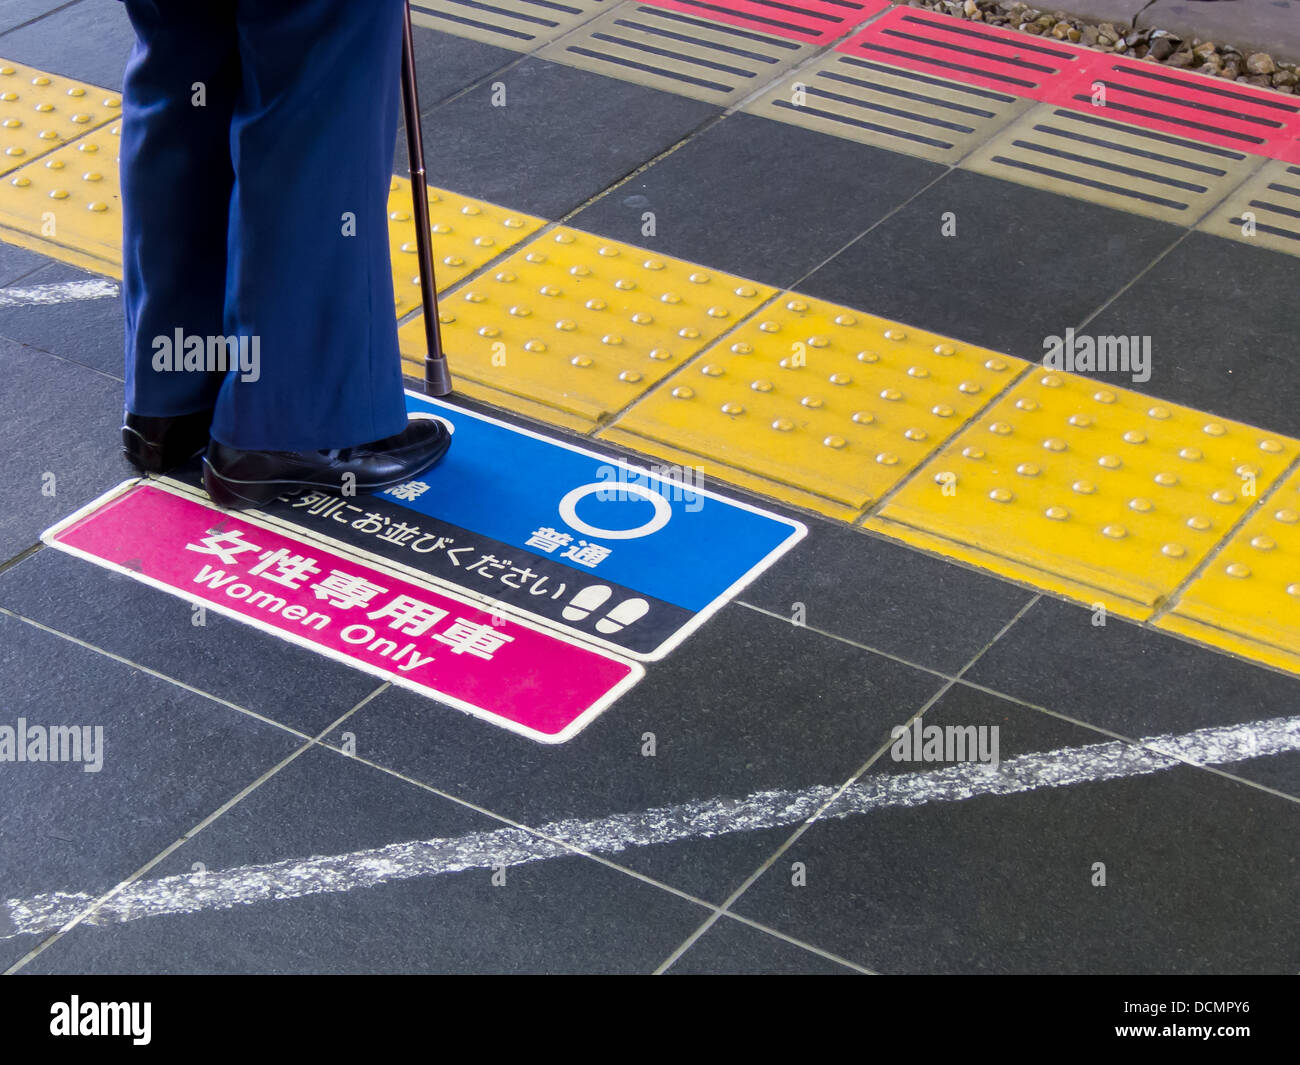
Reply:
x=437, y=376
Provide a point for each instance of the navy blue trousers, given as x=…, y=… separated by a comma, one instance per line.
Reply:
x=256, y=155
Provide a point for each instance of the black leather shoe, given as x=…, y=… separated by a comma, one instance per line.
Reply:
x=238, y=479
x=156, y=445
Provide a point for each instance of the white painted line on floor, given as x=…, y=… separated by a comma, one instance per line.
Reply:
x=59, y=292
x=190, y=893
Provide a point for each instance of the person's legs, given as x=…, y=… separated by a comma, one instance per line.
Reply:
x=177, y=103
x=308, y=277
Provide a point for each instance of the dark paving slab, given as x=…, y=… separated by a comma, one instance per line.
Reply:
x=558, y=915
x=1223, y=324
x=76, y=439
x=89, y=40
x=445, y=64
x=17, y=12
x=1133, y=681
x=562, y=136
x=1200, y=872
x=747, y=704
x=170, y=757
x=762, y=199
x=1023, y=265
x=733, y=947
x=250, y=668
x=887, y=597
x=16, y=264
x=90, y=332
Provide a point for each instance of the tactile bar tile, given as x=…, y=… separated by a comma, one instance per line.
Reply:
x=39, y=112
x=968, y=51
x=814, y=21
x=68, y=204
x=1191, y=105
x=1088, y=156
x=1097, y=493
x=572, y=327
x=518, y=24
x=817, y=404
x=1247, y=599
x=1272, y=200
x=465, y=234
x=889, y=107
x=676, y=53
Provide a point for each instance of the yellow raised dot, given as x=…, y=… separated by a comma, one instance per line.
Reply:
x=43, y=108
x=969, y=387
x=834, y=441
x=1287, y=516
x=862, y=417
x=641, y=318
x=12, y=123
x=916, y=435
x=1110, y=462
x=1166, y=479
x=581, y=361
x=973, y=452
x=1293, y=589
x=996, y=365
x=112, y=101
x=1223, y=496
x=944, y=349
x=887, y=458
x=484, y=242
x=1115, y=532
x=1198, y=523
x=683, y=392
x=867, y=356
x=741, y=348
x=812, y=401
x=845, y=319
x=711, y=369
x=769, y=327
x=520, y=312
x=917, y=372
x=941, y=410
x=1263, y=543
x=489, y=331
x=1135, y=436
x=1191, y=454
x=670, y=297
x=840, y=379
x=77, y=91
x=1001, y=428
x=1213, y=429
x=624, y=284
x=564, y=238
x=761, y=386
x=607, y=251
x=550, y=290
x=1054, y=443
x=631, y=376
x=1271, y=446
x=1174, y=550
x=1246, y=470
x=1057, y=513
x=688, y=332
x=579, y=270
x=1084, y=488
x=437, y=227
x=698, y=278
x=538, y=257
x=718, y=312
x=732, y=408
x=534, y=346
x=654, y=264
x=1050, y=381
x=566, y=324
x=660, y=354
x=513, y=223
x=1105, y=395
x=21, y=181
x=1027, y=469
x=782, y=425
x=746, y=291
x=798, y=306
x=1237, y=569
x=1140, y=504
x=8, y=97
x=40, y=80
x=891, y=394
x=58, y=194
x=1002, y=495
x=48, y=135
x=612, y=339
x=895, y=335
x=1159, y=413
x=472, y=296
x=14, y=150
x=1026, y=404
x=98, y=206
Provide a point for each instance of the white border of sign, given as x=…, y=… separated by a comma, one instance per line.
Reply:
x=635, y=670
x=798, y=530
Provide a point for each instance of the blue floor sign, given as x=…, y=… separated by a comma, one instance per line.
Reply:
x=609, y=551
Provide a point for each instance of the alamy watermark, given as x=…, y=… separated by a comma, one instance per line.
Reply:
x=191, y=353
x=1102, y=354
x=671, y=483
x=53, y=743
x=945, y=743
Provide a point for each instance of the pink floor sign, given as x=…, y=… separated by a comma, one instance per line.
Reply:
x=527, y=679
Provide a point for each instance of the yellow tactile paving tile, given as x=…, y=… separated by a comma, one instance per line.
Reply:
x=67, y=204
x=890, y=107
x=1089, y=491
x=40, y=111
x=817, y=404
x=1247, y=599
x=676, y=52
x=1265, y=211
x=466, y=233
x=574, y=327
x=1085, y=155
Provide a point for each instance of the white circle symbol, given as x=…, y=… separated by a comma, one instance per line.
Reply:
x=569, y=514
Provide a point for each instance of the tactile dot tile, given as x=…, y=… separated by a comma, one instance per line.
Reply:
x=1265, y=211
x=818, y=404
x=577, y=326
x=1247, y=599
x=68, y=204
x=677, y=53
x=889, y=107
x=518, y=24
x=465, y=234
x=40, y=112
x=1088, y=490
x=1085, y=155
x=953, y=48
x=1180, y=102
x=815, y=21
